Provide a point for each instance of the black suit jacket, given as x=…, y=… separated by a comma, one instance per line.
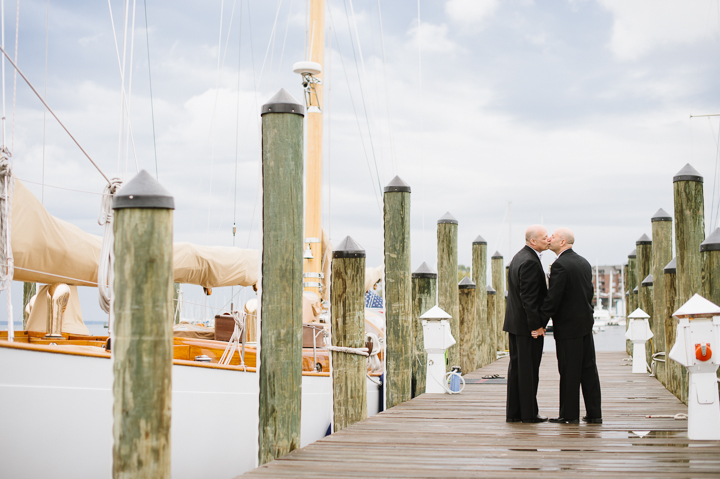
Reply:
x=526, y=292
x=569, y=298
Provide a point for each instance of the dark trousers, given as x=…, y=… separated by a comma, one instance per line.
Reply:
x=522, y=376
x=576, y=363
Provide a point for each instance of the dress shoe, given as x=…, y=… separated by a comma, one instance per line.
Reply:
x=592, y=420
x=535, y=419
x=513, y=419
x=562, y=420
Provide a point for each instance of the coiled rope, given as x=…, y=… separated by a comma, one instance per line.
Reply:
x=106, y=273
x=237, y=340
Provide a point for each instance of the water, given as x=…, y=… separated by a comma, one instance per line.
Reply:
x=612, y=338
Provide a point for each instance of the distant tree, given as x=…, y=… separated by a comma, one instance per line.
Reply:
x=463, y=271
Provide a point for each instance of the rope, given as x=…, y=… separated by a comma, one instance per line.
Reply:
x=237, y=340
x=679, y=416
x=53, y=113
x=343, y=349
x=6, y=256
x=106, y=267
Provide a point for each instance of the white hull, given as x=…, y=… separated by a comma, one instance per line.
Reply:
x=57, y=417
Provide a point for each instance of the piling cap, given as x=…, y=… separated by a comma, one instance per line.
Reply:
x=466, y=283
x=424, y=271
x=638, y=314
x=661, y=215
x=397, y=185
x=712, y=242
x=635, y=291
x=688, y=173
x=490, y=290
x=497, y=255
x=448, y=218
x=670, y=267
x=143, y=191
x=648, y=281
x=697, y=307
x=435, y=313
x=348, y=248
x=283, y=102
x=479, y=240
x=633, y=253
x=643, y=240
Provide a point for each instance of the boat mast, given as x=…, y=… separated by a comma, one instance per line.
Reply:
x=313, y=186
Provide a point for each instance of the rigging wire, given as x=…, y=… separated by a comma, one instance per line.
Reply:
x=2, y=40
x=714, y=218
x=282, y=51
x=237, y=138
x=362, y=94
x=393, y=155
x=47, y=36
x=152, y=108
x=122, y=86
x=329, y=135
x=422, y=160
x=129, y=97
x=52, y=113
x=17, y=29
x=357, y=119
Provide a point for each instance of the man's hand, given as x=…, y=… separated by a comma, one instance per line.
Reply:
x=538, y=332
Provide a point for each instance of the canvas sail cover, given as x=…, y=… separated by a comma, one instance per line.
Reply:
x=50, y=250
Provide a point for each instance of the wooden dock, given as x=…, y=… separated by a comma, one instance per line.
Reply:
x=466, y=435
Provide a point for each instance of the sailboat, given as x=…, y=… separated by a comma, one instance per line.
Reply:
x=56, y=383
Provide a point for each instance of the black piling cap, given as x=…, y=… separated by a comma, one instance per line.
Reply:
x=466, y=283
x=635, y=291
x=448, y=218
x=661, y=215
x=712, y=242
x=688, y=173
x=397, y=185
x=283, y=102
x=643, y=240
x=479, y=240
x=348, y=248
x=143, y=191
x=633, y=253
x=490, y=290
x=497, y=255
x=424, y=271
x=670, y=267
x=648, y=281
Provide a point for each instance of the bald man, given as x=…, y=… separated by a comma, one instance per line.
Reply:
x=569, y=304
x=526, y=292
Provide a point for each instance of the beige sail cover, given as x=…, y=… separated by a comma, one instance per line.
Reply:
x=50, y=250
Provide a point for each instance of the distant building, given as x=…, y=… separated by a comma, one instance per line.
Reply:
x=611, y=291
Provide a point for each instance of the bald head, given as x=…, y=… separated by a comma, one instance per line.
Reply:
x=536, y=237
x=561, y=240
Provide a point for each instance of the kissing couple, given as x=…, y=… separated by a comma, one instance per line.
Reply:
x=565, y=296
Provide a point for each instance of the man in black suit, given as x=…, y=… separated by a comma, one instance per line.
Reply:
x=526, y=292
x=569, y=304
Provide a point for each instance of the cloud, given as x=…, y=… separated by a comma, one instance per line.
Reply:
x=642, y=26
x=433, y=38
x=470, y=12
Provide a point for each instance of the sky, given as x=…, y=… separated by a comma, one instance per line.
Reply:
x=571, y=113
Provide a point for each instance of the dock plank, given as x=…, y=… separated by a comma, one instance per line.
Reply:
x=466, y=435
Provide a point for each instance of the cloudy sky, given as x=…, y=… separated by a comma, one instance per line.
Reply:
x=576, y=112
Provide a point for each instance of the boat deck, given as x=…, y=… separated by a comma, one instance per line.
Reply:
x=466, y=435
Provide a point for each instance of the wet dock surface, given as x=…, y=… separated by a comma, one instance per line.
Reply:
x=466, y=435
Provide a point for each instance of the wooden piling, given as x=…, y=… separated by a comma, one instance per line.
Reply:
x=498, y=283
x=710, y=274
x=347, y=309
x=398, y=293
x=689, y=231
x=631, y=282
x=424, y=297
x=142, y=345
x=29, y=290
x=645, y=298
x=447, y=263
x=643, y=248
x=282, y=268
x=492, y=323
x=479, y=277
x=675, y=373
x=468, y=325
x=662, y=254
